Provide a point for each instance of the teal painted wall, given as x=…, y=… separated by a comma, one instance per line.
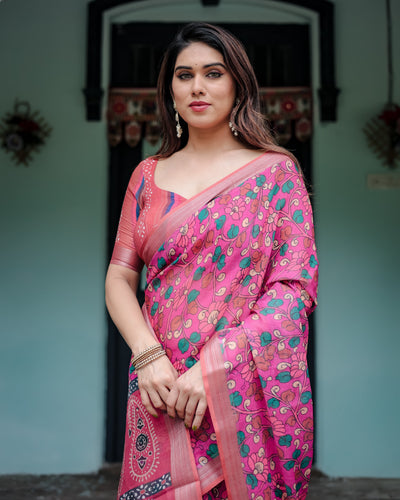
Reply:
x=53, y=220
x=358, y=332
x=52, y=354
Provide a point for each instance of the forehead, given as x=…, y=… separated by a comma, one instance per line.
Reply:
x=198, y=53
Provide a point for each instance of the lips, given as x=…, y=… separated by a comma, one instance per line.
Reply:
x=199, y=106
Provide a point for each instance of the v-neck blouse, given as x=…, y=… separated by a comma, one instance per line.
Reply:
x=144, y=205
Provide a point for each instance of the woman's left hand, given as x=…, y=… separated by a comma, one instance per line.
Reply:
x=187, y=397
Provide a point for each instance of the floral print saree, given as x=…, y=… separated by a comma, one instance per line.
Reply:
x=231, y=281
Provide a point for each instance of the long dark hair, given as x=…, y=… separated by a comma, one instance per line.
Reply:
x=246, y=117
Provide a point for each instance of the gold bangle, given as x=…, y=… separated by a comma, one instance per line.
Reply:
x=149, y=350
x=149, y=359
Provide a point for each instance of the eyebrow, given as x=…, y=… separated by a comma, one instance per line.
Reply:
x=205, y=66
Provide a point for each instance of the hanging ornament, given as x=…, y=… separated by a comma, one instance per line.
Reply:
x=133, y=133
x=22, y=133
x=114, y=133
x=383, y=131
x=303, y=129
x=153, y=132
x=283, y=131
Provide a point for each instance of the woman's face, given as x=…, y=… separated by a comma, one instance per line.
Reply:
x=203, y=89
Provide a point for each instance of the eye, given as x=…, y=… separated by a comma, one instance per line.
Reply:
x=184, y=76
x=214, y=74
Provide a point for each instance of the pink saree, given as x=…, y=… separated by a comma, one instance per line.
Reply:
x=231, y=280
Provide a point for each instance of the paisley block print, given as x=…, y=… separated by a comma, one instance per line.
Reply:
x=240, y=276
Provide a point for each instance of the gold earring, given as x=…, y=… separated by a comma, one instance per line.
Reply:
x=233, y=130
x=178, y=125
x=231, y=125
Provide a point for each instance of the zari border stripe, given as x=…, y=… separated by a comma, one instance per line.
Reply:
x=223, y=417
x=185, y=480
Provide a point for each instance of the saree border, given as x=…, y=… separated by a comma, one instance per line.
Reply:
x=183, y=466
x=169, y=223
x=223, y=417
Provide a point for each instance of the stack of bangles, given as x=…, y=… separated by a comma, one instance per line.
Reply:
x=147, y=356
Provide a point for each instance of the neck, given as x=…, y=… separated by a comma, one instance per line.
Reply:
x=211, y=141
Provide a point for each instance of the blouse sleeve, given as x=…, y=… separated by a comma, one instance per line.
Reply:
x=124, y=253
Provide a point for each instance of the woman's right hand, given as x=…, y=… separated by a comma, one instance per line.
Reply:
x=155, y=382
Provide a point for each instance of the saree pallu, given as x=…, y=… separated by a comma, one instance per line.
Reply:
x=231, y=280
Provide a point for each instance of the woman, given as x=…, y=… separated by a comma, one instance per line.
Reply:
x=219, y=397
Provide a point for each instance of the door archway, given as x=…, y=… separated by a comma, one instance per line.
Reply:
x=328, y=91
x=116, y=397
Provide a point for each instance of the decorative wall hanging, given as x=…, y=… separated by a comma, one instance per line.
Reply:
x=22, y=132
x=133, y=114
x=383, y=131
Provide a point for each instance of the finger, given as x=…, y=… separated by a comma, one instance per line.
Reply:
x=190, y=410
x=180, y=405
x=200, y=412
x=171, y=402
x=147, y=403
x=164, y=393
x=156, y=401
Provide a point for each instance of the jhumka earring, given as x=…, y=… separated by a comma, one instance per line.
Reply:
x=178, y=125
x=233, y=130
x=231, y=125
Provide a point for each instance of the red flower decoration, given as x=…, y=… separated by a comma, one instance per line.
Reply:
x=119, y=107
x=288, y=105
x=22, y=133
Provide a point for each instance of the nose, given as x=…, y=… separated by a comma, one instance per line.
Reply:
x=197, y=86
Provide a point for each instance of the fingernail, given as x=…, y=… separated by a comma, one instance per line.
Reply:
x=186, y=425
x=194, y=428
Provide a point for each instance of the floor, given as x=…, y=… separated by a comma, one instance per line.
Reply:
x=103, y=486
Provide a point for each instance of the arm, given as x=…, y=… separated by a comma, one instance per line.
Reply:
x=157, y=378
x=124, y=309
x=122, y=281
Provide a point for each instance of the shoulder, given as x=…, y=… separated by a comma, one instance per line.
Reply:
x=282, y=173
x=286, y=178
x=277, y=157
x=285, y=164
x=142, y=172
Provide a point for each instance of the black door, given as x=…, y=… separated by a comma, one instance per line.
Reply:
x=280, y=55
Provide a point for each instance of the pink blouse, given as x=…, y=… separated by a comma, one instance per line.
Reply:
x=144, y=205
